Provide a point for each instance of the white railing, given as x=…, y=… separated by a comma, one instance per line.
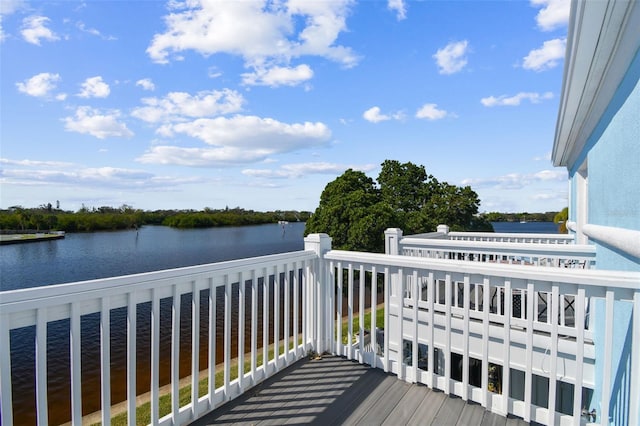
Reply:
x=517, y=340
x=512, y=237
x=553, y=255
x=236, y=298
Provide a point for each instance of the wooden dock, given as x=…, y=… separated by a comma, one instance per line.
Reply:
x=335, y=391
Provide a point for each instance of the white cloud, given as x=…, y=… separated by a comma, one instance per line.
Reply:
x=92, y=121
x=237, y=140
x=82, y=27
x=44, y=173
x=7, y=7
x=547, y=56
x=94, y=87
x=255, y=132
x=550, y=196
x=431, y=112
x=399, y=6
x=518, y=181
x=452, y=58
x=40, y=85
x=545, y=157
x=34, y=163
x=302, y=169
x=263, y=35
x=278, y=76
x=554, y=13
x=146, y=84
x=34, y=29
x=214, y=72
x=515, y=100
x=200, y=157
x=374, y=115
x=181, y=105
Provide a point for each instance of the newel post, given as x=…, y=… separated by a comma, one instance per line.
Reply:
x=392, y=237
x=318, y=313
x=443, y=229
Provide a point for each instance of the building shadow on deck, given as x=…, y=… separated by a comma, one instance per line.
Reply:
x=333, y=391
x=324, y=391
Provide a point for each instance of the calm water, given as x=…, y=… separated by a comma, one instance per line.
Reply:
x=526, y=228
x=81, y=257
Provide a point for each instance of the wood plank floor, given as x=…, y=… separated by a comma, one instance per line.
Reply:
x=336, y=391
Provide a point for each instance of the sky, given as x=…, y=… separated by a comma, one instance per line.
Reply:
x=259, y=104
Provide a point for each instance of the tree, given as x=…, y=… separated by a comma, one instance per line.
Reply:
x=350, y=208
x=561, y=220
x=355, y=211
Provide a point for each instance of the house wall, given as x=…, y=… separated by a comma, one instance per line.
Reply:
x=612, y=154
x=611, y=162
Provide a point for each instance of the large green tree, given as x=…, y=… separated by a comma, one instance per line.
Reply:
x=351, y=211
x=355, y=211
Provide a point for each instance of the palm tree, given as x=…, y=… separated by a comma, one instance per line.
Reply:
x=561, y=219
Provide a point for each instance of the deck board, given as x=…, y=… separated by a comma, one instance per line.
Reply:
x=334, y=391
x=493, y=419
x=472, y=414
x=449, y=412
x=385, y=404
x=428, y=409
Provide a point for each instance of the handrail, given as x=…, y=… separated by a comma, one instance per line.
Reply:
x=590, y=277
x=515, y=237
x=537, y=321
x=244, y=283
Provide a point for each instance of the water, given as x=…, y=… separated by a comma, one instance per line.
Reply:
x=81, y=257
x=526, y=228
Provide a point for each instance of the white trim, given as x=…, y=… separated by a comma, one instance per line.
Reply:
x=601, y=45
x=626, y=240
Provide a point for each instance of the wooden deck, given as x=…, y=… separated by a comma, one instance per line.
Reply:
x=336, y=391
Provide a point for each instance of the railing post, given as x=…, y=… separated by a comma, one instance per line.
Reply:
x=318, y=316
x=443, y=229
x=392, y=238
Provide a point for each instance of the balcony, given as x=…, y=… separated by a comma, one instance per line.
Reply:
x=532, y=339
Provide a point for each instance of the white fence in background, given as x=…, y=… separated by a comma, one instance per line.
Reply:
x=512, y=237
x=517, y=340
x=507, y=248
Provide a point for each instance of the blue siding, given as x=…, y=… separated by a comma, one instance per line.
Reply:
x=613, y=154
x=620, y=368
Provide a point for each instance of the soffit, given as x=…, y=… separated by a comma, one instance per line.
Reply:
x=603, y=39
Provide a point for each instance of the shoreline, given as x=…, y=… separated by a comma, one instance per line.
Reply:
x=6, y=239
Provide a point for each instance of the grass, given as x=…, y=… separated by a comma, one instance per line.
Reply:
x=367, y=322
x=143, y=411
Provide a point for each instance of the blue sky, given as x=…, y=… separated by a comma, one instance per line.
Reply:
x=259, y=104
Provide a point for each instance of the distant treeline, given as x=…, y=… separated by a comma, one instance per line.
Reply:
x=517, y=217
x=45, y=218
